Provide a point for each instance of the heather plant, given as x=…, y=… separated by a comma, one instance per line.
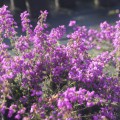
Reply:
x=45, y=80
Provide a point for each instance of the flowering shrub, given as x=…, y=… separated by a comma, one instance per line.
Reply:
x=44, y=80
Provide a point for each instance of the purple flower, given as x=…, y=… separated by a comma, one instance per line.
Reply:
x=11, y=112
x=72, y=23
x=22, y=111
x=18, y=117
x=90, y=104
x=2, y=109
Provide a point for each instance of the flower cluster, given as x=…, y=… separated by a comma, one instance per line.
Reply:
x=7, y=24
x=41, y=79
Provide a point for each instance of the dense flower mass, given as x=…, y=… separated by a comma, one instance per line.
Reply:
x=41, y=79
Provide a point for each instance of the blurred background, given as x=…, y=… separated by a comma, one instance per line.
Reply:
x=86, y=12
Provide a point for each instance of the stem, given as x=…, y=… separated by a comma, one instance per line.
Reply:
x=12, y=5
x=57, y=6
x=27, y=5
